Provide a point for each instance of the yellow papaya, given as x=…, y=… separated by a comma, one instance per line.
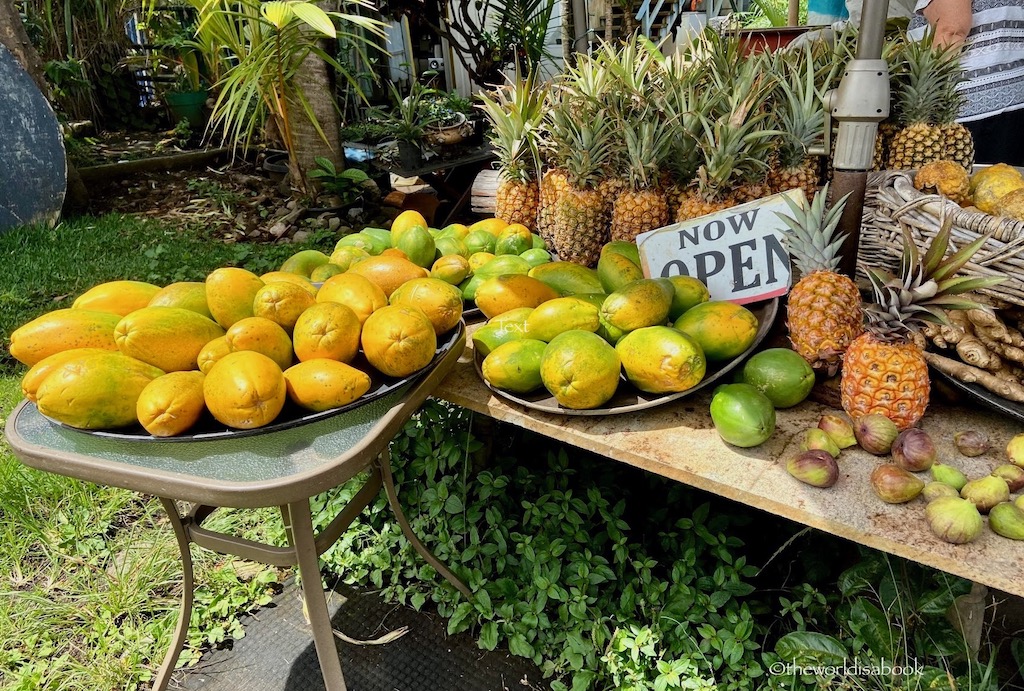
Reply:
x=95, y=391
x=42, y=369
x=64, y=329
x=171, y=404
x=190, y=295
x=230, y=293
x=117, y=297
x=166, y=337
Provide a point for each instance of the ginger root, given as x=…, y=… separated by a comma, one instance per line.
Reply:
x=972, y=351
x=974, y=375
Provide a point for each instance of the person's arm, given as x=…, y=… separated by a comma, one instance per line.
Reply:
x=951, y=20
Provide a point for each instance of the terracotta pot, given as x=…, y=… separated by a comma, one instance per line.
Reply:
x=452, y=134
x=757, y=40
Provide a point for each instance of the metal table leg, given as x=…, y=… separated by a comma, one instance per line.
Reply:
x=300, y=525
x=163, y=677
x=384, y=463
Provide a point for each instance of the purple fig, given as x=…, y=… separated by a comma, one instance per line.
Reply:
x=934, y=490
x=838, y=429
x=949, y=475
x=971, y=443
x=875, y=433
x=894, y=485
x=1013, y=474
x=986, y=492
x=1007, y=519
x=954, y=520
x=1015, y=450
x=815, y=467
x=913, y=450
x=815, y=438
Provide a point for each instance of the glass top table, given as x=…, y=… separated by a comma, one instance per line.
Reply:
x=282, y=468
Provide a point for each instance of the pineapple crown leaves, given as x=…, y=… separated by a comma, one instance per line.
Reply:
x=581, y=145
x=516, y=113
x=646, y=144
x=929, y=75
x=926, y=287
x=811, y=232
x=802, y=110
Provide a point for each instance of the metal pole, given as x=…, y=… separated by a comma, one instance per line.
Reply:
x=859, y=104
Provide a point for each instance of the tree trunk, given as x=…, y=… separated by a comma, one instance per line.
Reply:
x=315, y=81
x=15, y=39
x=608, y=16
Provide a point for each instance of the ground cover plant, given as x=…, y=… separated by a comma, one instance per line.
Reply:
x=605, y=576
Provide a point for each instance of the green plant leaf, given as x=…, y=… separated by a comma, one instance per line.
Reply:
x=810, y=648
x=277, y=12
x=871, y=626
x=489, y=635
x=314, y=17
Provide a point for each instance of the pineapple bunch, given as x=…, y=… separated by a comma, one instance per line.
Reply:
x=515, y=113
x=927, y=101
x=734, y=147
x=884, y=369
x=801, y=117
x=824, y=313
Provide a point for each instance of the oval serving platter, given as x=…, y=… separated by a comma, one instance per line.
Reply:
x=629, y=399
x=291, y=415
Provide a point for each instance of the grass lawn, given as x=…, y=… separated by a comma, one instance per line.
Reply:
x=89, y=576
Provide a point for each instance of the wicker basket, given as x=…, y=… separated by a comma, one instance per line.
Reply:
x=891, y=201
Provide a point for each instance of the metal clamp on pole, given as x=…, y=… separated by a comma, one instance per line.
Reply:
x=859, y=104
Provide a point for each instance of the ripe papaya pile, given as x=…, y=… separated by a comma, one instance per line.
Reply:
x=576, y=331
x=238, y=346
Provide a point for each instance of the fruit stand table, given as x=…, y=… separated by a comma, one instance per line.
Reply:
x=282, y=468
x=678, y=441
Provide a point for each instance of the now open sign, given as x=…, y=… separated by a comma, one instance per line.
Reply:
x=738, y=253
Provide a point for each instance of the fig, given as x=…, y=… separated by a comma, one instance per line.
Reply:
x=1007, y=519
x=875, y=433
x=949, y=475
x=1015, y=450
x=815, y=438
x=894, y=485
x=986, y=492
x=1014, y=475
x=913, y=450
x=934, y=490
x=1019, y=501
x=839, y=430
x=814, y=467
x=971, y=443
x=954, y=520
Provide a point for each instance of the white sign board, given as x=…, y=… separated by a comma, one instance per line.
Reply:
x=738, y=253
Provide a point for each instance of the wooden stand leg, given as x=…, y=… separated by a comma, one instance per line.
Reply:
x=163, y=677
x=384, y=462
x=299, y=524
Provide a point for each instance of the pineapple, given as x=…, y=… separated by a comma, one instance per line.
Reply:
x=884, y=370
x=958, y=140
x=802, y=118
x=642, y=205
x=515, y=115
x=946, y=178
x=824, y=308
x=920, y=105
x=552, y=186
x=581, y=213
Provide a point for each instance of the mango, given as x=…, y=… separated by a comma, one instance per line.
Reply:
x=95, y=391
x=561, y=314
x=64, y=329
x=169, y=338
x=230, y=293
x=189, y=295
x=568, y=278
x=171, y=404
x=615, y=270
x=166, y=337
x=515, y=366
x=659, y=359
x=627, y=249
x=322, y=384
x=501, y=293
x=117, y=297
x=645, y=302
x=580, y=370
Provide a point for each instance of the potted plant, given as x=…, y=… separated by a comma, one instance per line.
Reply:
x=408, y=120
x=449, y=114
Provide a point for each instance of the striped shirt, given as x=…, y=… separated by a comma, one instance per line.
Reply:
x=993, y=59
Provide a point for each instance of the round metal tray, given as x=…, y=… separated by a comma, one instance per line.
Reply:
x=291, y=415
x=984, y=396
x=629, y=399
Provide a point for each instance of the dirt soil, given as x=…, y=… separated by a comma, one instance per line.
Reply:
x=234, y=200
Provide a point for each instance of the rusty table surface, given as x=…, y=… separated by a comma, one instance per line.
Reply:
x=678, y=441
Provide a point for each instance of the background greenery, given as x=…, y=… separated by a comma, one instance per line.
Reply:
x=603, y=575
